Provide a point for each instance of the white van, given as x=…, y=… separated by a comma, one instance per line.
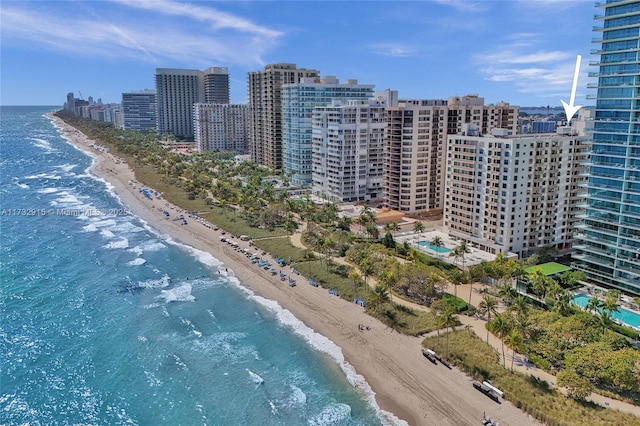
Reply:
x=244, y=237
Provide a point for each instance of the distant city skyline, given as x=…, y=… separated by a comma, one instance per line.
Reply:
x=521, y=52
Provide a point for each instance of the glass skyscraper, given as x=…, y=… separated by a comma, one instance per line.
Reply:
x=608, y=248
x=298, y=101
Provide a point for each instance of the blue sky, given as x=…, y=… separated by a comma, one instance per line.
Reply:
x=522, y=52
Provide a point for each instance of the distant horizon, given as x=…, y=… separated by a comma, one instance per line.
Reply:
x=106, y=103
x=520, y=52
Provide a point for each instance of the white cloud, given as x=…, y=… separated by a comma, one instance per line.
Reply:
x=121, y=34
x=217, y=19
x=391, y=49
x=529, y=68
x=464, y=5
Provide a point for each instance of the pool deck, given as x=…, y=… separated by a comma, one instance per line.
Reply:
x=589, y=292
x=474, y=257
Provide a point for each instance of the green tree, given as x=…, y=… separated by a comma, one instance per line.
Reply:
x=593, y=305
x=418, y=227
x=513, y=340
x=501, y=327
x=463, y=249
x=366, y=268
x=577, y=386
x=488, y=306
x=380, y=296
x=447, y=319
x=355, y=277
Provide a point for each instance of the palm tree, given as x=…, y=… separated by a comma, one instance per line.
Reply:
x=605, y=320
x=593, y=305
x=505, y=292
x=394, y=227
x=455, y=253
x=418, y=227
x=488, y=306
x=501, y=328
x=514, y=340
x=389, y=280
x=355, y=277
x=611, y=302
x=447, y=319
x=463, y=249
x=520, y=306
x=563, y=303
x=437, y=243
x=366, y=269
x=380, y=296
x=540, y=282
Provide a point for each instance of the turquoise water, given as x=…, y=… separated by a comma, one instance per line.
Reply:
x=437, y=249
x=626, y=316
x=106, y=321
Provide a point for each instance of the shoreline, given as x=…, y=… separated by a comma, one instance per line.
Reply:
x=405, y=385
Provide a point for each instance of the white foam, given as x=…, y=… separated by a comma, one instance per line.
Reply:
x=323, y=344
x=66, y=167
x=136, y=250
x=105, y=233
x=43, y=176
x=125, y=226
x=255, y=377
x=202, y=256
x=297, y=397
x=89, y=228
x=151, y=246
x=47, y=191
x=137, y=261
x=23, y=185
x=159, y=283
x=122, y=243
x=332, y=414
x=104, y=223
x=41, y=143
x=181, y=293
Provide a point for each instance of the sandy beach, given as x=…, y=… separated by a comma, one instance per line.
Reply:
x=405, y=383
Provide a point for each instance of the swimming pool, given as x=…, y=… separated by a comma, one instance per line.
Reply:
x=427, y=244
x=625, y=316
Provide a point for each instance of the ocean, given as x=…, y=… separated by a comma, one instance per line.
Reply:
x=106, y=321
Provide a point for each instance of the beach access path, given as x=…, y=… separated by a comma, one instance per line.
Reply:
x=405, y=383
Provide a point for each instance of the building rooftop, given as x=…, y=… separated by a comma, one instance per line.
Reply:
x=550, y=268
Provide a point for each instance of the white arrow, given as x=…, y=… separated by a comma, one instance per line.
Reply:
x=570, y=109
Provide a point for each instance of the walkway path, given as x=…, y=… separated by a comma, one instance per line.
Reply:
x=477, y=324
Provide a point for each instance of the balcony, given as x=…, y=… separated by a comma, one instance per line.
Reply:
x=594, y=260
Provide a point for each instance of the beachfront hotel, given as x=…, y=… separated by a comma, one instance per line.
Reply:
x=514, y=194
x=608, y=248
x=221, y=127
x=265, y=109
x=417, y=133
x=298, y=101
x=348, y=150
x=178, y=90
x=139, y=110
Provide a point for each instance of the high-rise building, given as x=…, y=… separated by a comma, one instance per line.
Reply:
x=70, y=105
x=609, y=239
x=221, y=127
x=298, y=101
x=514, y=194
x=348, y=150
x=216, y=85
x=139, y=110
x=177, y=90
x=265, y=106
x=415, y=147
